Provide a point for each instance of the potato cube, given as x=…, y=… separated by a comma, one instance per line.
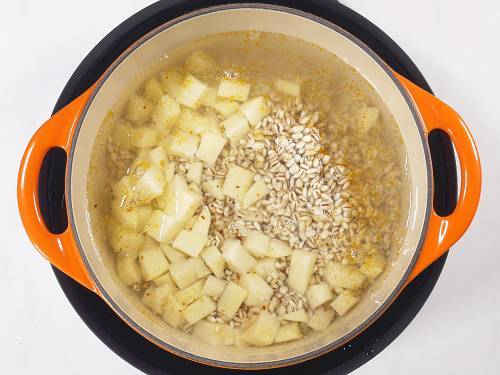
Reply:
x=161, y=227
x=201, y=63
x=120, y=135
x=211, y=146
x=235, y=127
x=172, y=254
x=126, y=241
x=196, y=123
x=344, y=302
x=233, y=89
x=183, y=207
x=202, y=223
x=237, y=182
x=156, y=297
x=226, y=107
x=171, y=81
x=256, y=243
x=367, y=117
x=169, y=196
x=164, y=279
x=189, y=294
x=344, y=276
x=183, y=144
x=209, y=97
x=189, y=243
x=143, y=137
x=199, y=266
x=259, y=292
x=172, y=312
x=158, y=157
x=128, y=270
x=238, y=341
x=263, y=331
x=256, y=192
x=255, y=109
x=231, y=299
x=264, y=267
x=139, y=108
x=321, y=318
x=318, y=294
x=373, y=265
x=288, y=332
x=213, y=286
x=153, y=263
x=301, y=269
x=214, y=260
x=127, y=217
x=287, y=87
x=143, y=215
x=213, y=188
x=278, y=249
x=199, y=309
x=182, y=273
x=151, y=184
x=194, y=172
x=214, y=334
x=236, y=257
x=191, y=91
x=153, y=89
x=167, y=113
x=296, y=316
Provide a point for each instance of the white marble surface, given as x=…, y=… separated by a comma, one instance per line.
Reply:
x=455, y=44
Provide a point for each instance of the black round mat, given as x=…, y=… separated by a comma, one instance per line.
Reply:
x=152, y=360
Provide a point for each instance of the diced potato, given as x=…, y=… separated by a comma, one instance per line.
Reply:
x=189, y=294
x=164, y=279
x=238, y=341
x=288, y=332
x=235, y=127
x=259, y=292
x=194, y=172
x=183, y=144
x=158, y=157
x=177, y=183
x=127, y=217
x=373, y=265
x=301, y=269
x=214, y=286
x=255, y=109
x=128, y=270
x=121, y=133
x=209, y=97
x=201, y=63
x=214, y=260
x=236, y=257
x=172, y=254
x=195, y=188
x=182, y=273
x=211, y=146
x=214, y=188
x=199, y=266
x=156, y=297
x=169, y=171
x=151, y=184
x=191, y=91
x=264, y=267
x=196, y=123
x=183, y=207
x=233, y=89
x=231, y=299
x=263, y=331
x=143, y=137
x=318, y=294
x=126, y=241
x=161, y=227
x=171, y=81
x=344, y=276
x=256, y=243
x=153, y=263
x=256, y=192
x=321, y=318
x=172, y=312
x=226, y=107
x=199, y=309
x=237, y=182
x=344, y=302
x=287, y=87
x=367, y=117
x=149, y=243
x=139, y=108
x=278, y=249
x=202, y=223
x=296, y=316
x=214, y=334
x=189, y=243
x=167, y=113
x=153, y=89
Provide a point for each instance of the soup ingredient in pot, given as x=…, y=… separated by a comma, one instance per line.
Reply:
x=243, y=209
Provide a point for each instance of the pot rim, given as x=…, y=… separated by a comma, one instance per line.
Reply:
x=305, y=356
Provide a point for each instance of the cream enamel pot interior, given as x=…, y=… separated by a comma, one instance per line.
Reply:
x=83, y=256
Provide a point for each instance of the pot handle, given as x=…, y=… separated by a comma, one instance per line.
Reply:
x=444, y=231
x=60, y=249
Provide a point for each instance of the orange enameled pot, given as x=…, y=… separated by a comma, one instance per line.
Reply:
x=80, y=255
